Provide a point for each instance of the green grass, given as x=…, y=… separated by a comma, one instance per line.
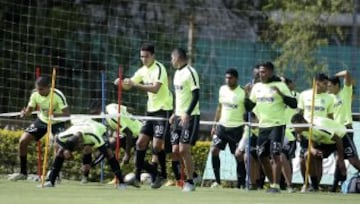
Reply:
x=70, y=192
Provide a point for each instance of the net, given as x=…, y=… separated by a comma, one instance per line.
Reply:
x=83, y=38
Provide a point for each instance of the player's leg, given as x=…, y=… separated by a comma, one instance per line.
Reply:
x=188, y=138
x=234, y=136
x=56, y=167
x=276, y=142
x=263, y=152
x=32, y=133
x=141, y=147
x=218, y=143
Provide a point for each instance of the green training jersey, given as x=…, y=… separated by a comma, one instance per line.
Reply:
x=342, y=106
x=232, y=106
x=92, y=132
x=290, y=112
x=125, y=121
x=186, y=80
x=155, y=73
x=289, y=135
x=270, y=107
x=323, y=106
x=324, y=131
x=43, y=102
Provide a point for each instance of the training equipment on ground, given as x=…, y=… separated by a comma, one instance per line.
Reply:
x=145, y=178
x=130, y=177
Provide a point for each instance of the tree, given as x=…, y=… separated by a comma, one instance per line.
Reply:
x=298, y=28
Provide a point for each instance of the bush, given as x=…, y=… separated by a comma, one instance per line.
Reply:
x=9, y=161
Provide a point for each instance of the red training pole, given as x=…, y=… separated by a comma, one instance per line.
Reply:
x=117, y=151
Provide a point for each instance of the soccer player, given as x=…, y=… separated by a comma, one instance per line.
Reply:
x=343, y=115
x=83, y=133
x=323, y=107
x=129, y=129
x=153, y=79
x=229, y=116
x=326, y=139
x=186, y=118
x=324, y=102
x=256, y=177
x=271, y=96
x=40, y=98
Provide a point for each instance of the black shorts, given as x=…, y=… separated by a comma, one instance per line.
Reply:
x=225, y=135
x=326, y=149
x=270, y=140
x=349, y=146
x=157, y=128
x=122, y=143
x=289, y=149
x=185, y=135
x=38, y=128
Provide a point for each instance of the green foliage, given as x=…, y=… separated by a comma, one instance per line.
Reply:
x=300, y=31
x=9, y=161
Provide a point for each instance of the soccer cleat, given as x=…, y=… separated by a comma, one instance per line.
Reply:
x=135, y=183
x=122, y=186
x=291, y=190
x=170, y=183
x=305, y=189
x=215, y=185
x=273, y=190
x=112, y=182
x=188, y=187
x=47, y=184
x=17, y=176
x=157, y=183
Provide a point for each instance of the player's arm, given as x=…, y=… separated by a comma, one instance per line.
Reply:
x=195, y=99
x=153, y=88
x=249, y=98
x=217, y=118
x=26, y=111
x=347, y=77
x=289, y=101
x=64, y=112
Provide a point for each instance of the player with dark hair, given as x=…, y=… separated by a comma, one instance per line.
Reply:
x=83, y=133
x=327, y=138
x=229, y=115
x=153, y=79
x=40, y=98
x=186, y=116
x=129, y=131
x=343, y=115
x=323, y=107
x=270, y=97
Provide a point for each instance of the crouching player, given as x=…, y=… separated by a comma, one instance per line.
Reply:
x=326, y=139
x=129, y=129
x=83, y=133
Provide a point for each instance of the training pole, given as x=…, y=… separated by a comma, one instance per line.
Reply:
x=119, y=112
x=103, y=119
x=310, y=133
x=38, y=143
x=48, y=133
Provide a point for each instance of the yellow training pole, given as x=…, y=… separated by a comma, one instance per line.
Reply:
x=310, y=133
x=47, y=135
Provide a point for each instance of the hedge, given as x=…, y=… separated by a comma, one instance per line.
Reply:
x=9, y=161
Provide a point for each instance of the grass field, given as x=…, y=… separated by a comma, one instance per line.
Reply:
x=71, y=192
